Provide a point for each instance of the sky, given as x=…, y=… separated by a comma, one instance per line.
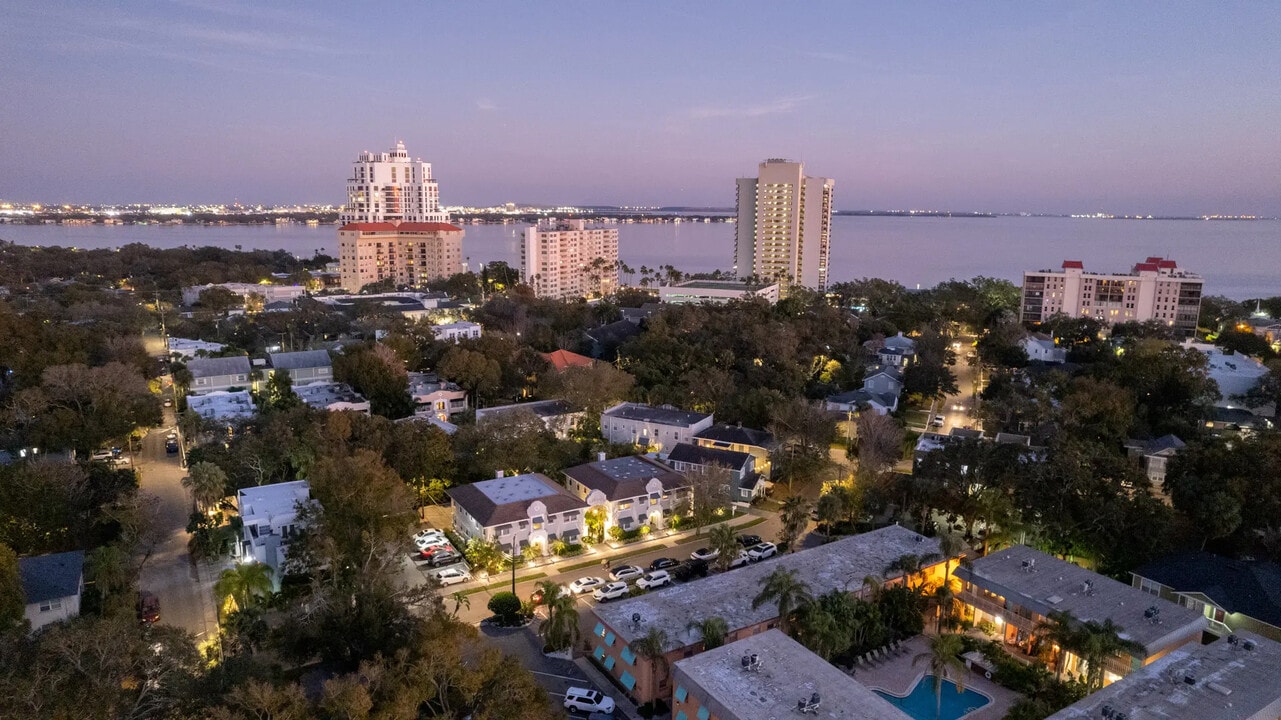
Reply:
x=1133, y=107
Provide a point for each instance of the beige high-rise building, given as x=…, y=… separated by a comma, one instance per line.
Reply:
x=1155, y=289
x=566, y=259
x=408, y=253
x=389, y=186
x=784, y=225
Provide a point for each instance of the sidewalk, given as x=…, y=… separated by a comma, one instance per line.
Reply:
x=623, y=705
x=596, y=554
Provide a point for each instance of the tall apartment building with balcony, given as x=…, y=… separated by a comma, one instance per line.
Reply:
x=1155, y=289
x=392, y=225
x=568, y=259
x=784, y=225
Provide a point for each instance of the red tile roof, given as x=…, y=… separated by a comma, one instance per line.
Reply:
x=1077, y=264
x=398, y=226
x=1167, y=264
x=1145, y=267
x=564, y=359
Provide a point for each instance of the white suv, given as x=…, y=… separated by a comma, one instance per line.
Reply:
x=655, y=579
x=584, y=700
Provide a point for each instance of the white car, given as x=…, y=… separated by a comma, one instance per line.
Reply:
x=610, y=591
x=705, y=554
x=740, y=559
x=452, y=576
x=426, y=539
x=585, y=700
x=585, y=585
x=655, y=579
x=626, y=572
x=762, y=551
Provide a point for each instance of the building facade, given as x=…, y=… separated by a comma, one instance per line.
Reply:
x=52, y=586
x=784, y=225
x=716, y=291
x=407, y=253
x=304, y=366
x=270, y=521
x=629, y=492
x=1234, y=595
x=390, y=186
x=443, y=399
x=517, y=512
x=224, y=373
x=1155, y=289
x=568, y=259
x=455, y=331
x=652, y=427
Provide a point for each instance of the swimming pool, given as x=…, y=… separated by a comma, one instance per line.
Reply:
x=920, y=703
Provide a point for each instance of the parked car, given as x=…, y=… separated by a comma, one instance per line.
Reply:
x=585, y=585
x=689, y=570
x=664, y=563
x=586, y=700
x=102, y=455
x=937, y=421
x=655, y=579
x=451, y=576
x=168, y=402
x=760, y=551
x=446, y=557
x=749, y=540
x=704, y=554
x=171, y=447
x=425, y=541
x=626, y=572
x=432, y=551
x=429, y=534
x=148, y=608
x=739, y=560
x=610, y=591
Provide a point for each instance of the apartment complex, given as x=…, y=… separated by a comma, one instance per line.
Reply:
x=784, y=225
x=408, y=253
x=567, y=259
x=389, y=187
x=1155, y=289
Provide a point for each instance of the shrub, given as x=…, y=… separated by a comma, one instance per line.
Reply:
x=616, y=533
x=570, y=549
x=674, y=522
x=505, y=606
x=987, y=627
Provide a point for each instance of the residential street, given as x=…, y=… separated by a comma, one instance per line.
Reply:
x=185, y=590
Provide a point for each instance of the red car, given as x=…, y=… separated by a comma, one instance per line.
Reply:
x=148, y=608
x=428, y=552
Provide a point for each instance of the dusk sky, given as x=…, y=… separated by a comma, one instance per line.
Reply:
x=1128, y=107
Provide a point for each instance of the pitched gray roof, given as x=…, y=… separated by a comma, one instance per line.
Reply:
x=699, y=455
x=50, y=577
x=738, y=435
x=665, y=415
x=300, y=360
x=625, y=477
x=504, y=500
x=212, y=367
x=1250, y=587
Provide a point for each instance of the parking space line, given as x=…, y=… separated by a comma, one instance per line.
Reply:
x=562, y=677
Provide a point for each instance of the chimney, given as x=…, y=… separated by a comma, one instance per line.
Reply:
x=499, y=474
x=600, y=456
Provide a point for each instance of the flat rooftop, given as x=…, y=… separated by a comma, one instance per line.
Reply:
x=1229, y=681
x=665, y=415
x=1044, y=583
x=721, y=285
x=222, y=404
x=540, y=408
x=323, y=394
x=841, y=564
x=788, y=673
x=517, y=488
x=264, y=501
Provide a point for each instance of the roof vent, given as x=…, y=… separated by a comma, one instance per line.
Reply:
x=751, y=663
x=636, y=620
x=1220, y=689
x=1233, y=640
x=1153, y=614
x=1189, y=680
x=811, y=706
x=1249, y=645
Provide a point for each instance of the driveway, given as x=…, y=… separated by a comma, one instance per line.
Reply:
x=555, y=675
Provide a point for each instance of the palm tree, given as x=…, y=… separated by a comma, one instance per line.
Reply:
x=461, y=600
x=207, y=484
x=723, y=540
x=950, y=545
x=712, y=630
x=944, y=659
x=787, y=591
x=912, y=567
x=1059, y=627
x=795, y=515
x=244, y=584
x=1100, y=641
x=943, y=599
x=560, y=629
x=108, y=568
x=653, y=647
x=830, y=509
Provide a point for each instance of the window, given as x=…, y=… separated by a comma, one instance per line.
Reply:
x=628, y=656
x=50, y=605
x=609, y=662
x=609, y=639
x=703, y=714
x=681, y=715
x=680, y=693
x=599, y=653
x=628, y=680
x=599, y=630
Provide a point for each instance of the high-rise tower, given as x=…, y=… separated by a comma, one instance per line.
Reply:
x=784, y=228
x=389, y=186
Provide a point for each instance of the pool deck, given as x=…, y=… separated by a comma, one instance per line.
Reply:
x=897, y=676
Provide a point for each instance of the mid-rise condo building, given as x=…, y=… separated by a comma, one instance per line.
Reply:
x=569, y=259
x=784, y=225
x=408, y=253
x=1155, y=289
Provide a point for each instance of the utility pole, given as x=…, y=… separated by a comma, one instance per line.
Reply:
x=160, y=309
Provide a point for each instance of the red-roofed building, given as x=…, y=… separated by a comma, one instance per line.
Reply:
x=562, y=360
x=1153, y=290
x=409, y=253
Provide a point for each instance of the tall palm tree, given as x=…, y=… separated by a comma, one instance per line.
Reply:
x=784, y=589
x=244, y=584
x=912, y=567
x=943, y=598
x=945, y=664
x=109, y=569
x=653, y=647
x=723, y=540
x=461, y=600
x=712, y=630
x=950, y=545
x=560, y=629
x=795, y=515
x=1059, y=627
x=207, y=484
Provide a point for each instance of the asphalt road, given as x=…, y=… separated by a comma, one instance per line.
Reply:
x=185, y=590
